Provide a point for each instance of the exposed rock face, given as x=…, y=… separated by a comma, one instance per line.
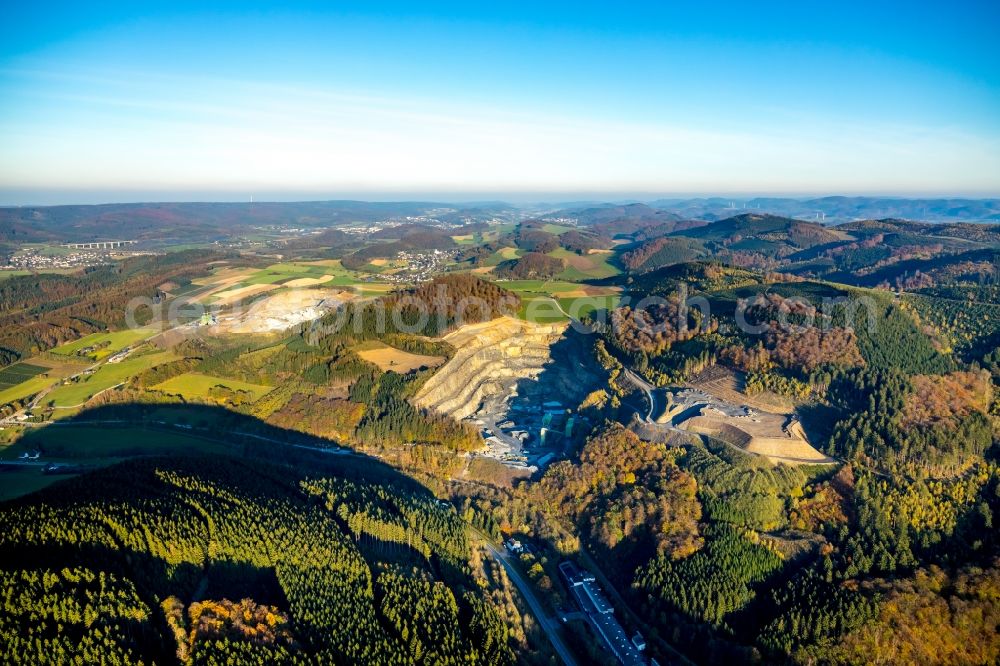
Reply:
x=777, y=437
x=488, y=356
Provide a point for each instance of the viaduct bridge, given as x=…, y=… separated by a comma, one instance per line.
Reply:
x=99, y=245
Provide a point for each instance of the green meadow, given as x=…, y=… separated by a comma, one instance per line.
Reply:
x=580, y=268
x=78, y=392
x=82, y=442
x=112, y=342
x=193, y=385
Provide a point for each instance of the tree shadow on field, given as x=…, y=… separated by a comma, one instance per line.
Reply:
x=200, y=430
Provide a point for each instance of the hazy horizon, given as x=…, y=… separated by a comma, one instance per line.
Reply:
x=97, y=198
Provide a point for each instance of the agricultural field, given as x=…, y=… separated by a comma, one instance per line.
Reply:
x=80, y=442
x=224, y=275
x=536, y=287
x=280, y=273
x=389, y=358
x=541, y=310
x=579, y=267
x=557, y=229
x=74, y=394
x=548, y=301
x=506, y=253
x=107, y=343
x=231, y=285
x=581, y=306
x=13, y=375
x=16, y=481
x=26, y=388
x=328, y=271
x=193, y=385
x=556, y=288
x=381, y=265
x=238, y=293
x=52, y=371
x=366, y=289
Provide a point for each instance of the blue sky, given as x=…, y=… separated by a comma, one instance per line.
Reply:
x=195, y=100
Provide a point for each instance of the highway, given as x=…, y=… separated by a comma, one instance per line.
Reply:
x=548, y=624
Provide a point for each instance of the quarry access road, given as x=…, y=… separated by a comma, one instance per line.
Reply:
x=657, y=403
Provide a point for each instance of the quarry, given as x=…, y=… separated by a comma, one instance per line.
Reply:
x=518, y=382
x=281, y=311
x=776, y=436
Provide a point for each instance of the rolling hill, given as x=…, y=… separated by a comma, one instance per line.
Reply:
x=766, y=234
x=159, y=220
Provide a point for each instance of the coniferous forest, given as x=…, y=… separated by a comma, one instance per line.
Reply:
x=229, y=561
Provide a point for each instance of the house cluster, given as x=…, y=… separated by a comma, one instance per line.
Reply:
x=567, y=221
x=120, y=356
x=418, y=266
x=30, y=260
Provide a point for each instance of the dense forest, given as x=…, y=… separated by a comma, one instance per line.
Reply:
x=531, y=266
x=226, y=561
x=731, y=558
x=663, y=251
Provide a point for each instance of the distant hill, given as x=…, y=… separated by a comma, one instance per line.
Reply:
x=884, y=251
x=191, y=220
x=764, y=234
x=981, y=233
x=532, y=266
x=631, y=221
x=975, y=265
x=663, y=251
x=611, y=213
x=583, y=241
x=205, y=220
x=695, y=275
x=838, y=208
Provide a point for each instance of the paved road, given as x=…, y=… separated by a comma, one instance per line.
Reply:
x=548, y=624
x=654, y=396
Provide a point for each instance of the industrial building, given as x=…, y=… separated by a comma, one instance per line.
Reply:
x=591, y=600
